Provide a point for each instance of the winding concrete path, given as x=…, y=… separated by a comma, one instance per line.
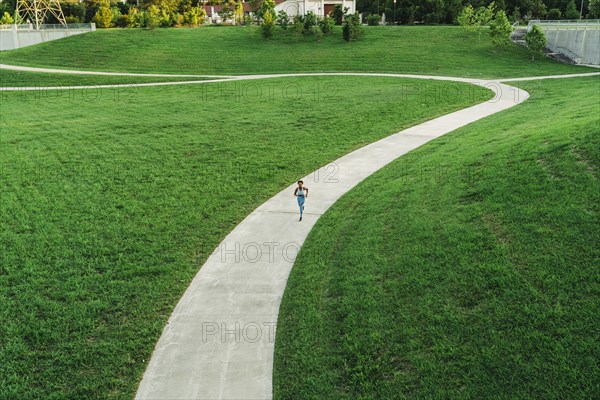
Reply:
x=219, y=341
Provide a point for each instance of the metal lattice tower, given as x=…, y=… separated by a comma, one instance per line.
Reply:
x=37, y=10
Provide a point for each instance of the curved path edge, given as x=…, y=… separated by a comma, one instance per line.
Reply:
x=219, y=340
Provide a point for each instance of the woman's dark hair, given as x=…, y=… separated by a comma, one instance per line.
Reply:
x=300, y=182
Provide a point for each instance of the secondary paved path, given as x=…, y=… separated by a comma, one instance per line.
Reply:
x=80, y=72
x=219, y=341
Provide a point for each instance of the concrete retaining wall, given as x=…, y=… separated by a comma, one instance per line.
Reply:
x=16, y=38
x=581, y=45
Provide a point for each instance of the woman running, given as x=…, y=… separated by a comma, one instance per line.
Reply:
x=301, y=193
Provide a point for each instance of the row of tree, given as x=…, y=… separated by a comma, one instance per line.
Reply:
x=185, y=12
x=181, y=14
x=480, y=19
x=447, y=11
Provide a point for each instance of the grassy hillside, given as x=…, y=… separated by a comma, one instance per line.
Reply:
x=442, y=50
x=111, y=200
x=466, y=269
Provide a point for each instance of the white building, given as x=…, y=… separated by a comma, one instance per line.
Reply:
x=320, y=7
x=292, y=8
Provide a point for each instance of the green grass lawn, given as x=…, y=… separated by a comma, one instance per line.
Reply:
x=441, y=50
x=10, y=78
x=468, y=268
x=110, y=202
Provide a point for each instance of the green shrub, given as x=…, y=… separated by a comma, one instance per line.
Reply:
x=117, y=18
x=316, y=31
x=134, y=18
x=165, y=19
x=352, y=29
x=297, y=27
x=373, y=20
x=178, y=19
x=338, y=14
x=327, y=25
x=310, y=20
x=283, y=20
x=6, y=19
x=152, y=17
x=69, y=19
x=194, y=16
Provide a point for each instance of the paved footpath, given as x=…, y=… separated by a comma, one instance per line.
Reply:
x=219, y=341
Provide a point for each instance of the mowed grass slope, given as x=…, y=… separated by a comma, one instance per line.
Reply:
x=440, y=50
x=110, y=201
x=468, y=268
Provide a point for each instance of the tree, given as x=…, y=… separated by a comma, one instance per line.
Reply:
x=104, y=15
x=516, y=15
x=594, y=8
x=554, y=13
x=267, y=25
x=238, y=12
x=226, y=12
x=433, y=11
x=536, y=41
x=267, y=6
x=255, y=8
x=500, y=29
x=538, y=9
x=467, y=19
x=571, y=11
x=6, y=19
x=483, y=16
